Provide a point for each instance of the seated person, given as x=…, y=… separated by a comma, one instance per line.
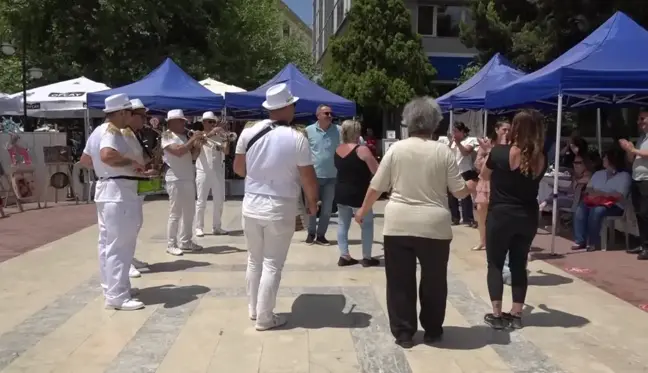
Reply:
x=581, y=175
x=577, y=146
x=603, y=197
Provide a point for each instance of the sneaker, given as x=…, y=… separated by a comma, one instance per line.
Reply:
x=310, y=239
x=579, y=247
x=321, y=240
x=371, y=262
x=133, y=272
x=643, y=255
x=174, y=251
x=513, y=321
x=405, y=343
x=200, y=233
x=127, y=305
x=139, y=264
x=636, y=250
x=276, y=322
x=193, y=247
x=346, y=261
x=219, y=232
x=495, y=322
x=591, y=249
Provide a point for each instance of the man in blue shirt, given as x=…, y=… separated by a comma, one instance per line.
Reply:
x=323, y=138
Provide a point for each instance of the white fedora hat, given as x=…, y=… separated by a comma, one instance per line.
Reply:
x=278, y=97
x=209, y=115
x=137, y=104
x=175, y=114
x=116, y=102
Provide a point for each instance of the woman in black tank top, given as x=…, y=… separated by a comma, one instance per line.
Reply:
x=355, y=167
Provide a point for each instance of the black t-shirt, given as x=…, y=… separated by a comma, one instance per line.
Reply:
x=510, y=188
x=353, y=178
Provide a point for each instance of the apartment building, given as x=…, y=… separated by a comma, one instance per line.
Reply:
x=437, y=21
x=293, y=27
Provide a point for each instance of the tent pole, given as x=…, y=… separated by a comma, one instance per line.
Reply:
x=450, y=124
x=554, y=208
x=485, y=123
x=599, y=139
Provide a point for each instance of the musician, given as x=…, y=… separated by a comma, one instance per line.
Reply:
x=179, y=151
x=141, y=155
x=210, y=174
x=118, y=206
x=273, y=157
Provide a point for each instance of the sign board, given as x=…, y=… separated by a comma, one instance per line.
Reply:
x=391, y=135
x=386, y=143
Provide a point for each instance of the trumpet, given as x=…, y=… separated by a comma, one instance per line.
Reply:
x=221, y=139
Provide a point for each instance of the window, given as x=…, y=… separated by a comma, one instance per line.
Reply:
x=339, y=11
x=286, y=30
x=426, y=20
x=442, y=21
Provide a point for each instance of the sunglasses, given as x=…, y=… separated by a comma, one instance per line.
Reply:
x=327, y=113
x=210, y=121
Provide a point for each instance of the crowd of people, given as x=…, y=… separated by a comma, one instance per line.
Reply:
x=325, y=164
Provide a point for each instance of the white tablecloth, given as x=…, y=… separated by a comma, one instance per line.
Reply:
x=546, y=186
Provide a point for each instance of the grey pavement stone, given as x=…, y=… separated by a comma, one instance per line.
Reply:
x=26, y=334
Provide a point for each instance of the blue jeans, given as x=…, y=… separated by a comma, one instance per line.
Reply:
x=588, y=222
x=345, y=214
x=326, y=195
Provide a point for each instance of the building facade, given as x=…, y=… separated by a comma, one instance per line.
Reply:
x=437, y=21
x=293, y=27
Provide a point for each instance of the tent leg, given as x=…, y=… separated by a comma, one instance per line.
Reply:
x=484, y=134
x=599, y=139
x=450, y=124
x=554, y=209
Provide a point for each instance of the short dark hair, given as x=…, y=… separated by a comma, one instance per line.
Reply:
x=320, y=107
x=616, y=158
x=461, y=126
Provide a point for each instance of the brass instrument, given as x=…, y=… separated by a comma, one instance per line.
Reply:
x=220, y=139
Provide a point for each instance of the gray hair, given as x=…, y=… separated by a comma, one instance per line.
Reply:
x=422, y=116
x=350, y=131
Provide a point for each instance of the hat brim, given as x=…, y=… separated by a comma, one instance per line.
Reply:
x=114, y=110
x=283, y=105
x=209, y=118
x=173, y=118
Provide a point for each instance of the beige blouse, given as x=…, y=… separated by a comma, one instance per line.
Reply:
x=419, y=172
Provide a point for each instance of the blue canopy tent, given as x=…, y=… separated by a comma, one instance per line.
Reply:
x=165, y=88
x=311, y=95
x=471, y=95
x=607, y=68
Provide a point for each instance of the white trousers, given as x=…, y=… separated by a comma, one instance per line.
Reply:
x=181, y=213
x=206, y=181
x=268, y=242
x=119, y=223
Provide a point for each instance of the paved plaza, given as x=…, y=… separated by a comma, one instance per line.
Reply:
x=196, y=316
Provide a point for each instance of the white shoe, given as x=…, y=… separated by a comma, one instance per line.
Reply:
x=276, y=322
x=139, y=264
x=174, y=251
x=128, y=305
x=200, y=233
x=219, y=232
x=133, y=272
x=192, y=247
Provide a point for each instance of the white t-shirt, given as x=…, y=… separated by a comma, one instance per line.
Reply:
x=120, y=190
x=465, y=162
x=272, y=184
x=210, y=160
x=180, y=168
x=136, y=148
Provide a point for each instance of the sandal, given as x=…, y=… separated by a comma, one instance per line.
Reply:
x=479, y=247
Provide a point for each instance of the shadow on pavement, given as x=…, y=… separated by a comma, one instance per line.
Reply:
x=175, y=266
x=551, y=318
x=468, y=338
x=317, y=311
x=171, y=296
x=548, y=279
x=224, y=249
x=235, y=233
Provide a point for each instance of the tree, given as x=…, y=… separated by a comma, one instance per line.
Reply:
x=533, y=33
x=468, y=71
x=379, y=61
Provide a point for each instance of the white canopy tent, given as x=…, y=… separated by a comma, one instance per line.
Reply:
x=65, y=99
x=220, y=88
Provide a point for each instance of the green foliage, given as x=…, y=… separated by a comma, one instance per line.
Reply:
x=379, y=61
x=468, y=71
x=119, y=41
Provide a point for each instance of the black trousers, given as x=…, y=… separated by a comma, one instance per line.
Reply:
x=639, y=192
x=466, y=209
x=401, y=253
x=509, y=232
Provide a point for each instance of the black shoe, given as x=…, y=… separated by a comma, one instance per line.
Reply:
x=495, y=322
x=344, y=262
x=636, y=250
x=455, y=222
x=321, y=240
x=310, y=239
x=371, y=262
x=578, y=247
x=430, y=339
x=514, y=322
x=591, y=248
x=405, y=343
x=643, y=255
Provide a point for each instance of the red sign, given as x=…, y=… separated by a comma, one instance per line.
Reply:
x=578, y=270
x=644, y=307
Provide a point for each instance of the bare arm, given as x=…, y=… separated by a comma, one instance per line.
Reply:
x=465, y=150
x=239, y=165
x=181, y=149
x=309, y=183
x=113, y=158
x=86, y=161
x=370, y=198
x=366, y=155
